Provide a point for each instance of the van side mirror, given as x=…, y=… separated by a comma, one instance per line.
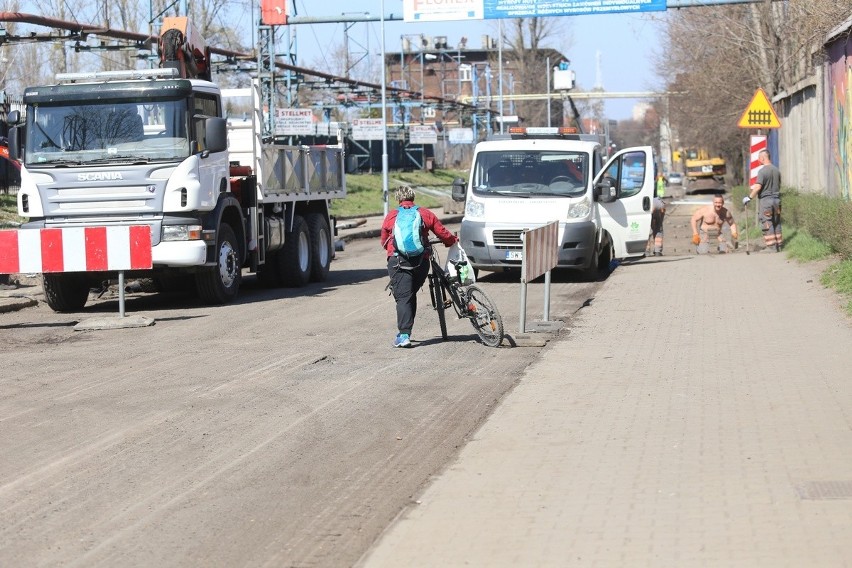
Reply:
x=459, y=189
x=605, y=190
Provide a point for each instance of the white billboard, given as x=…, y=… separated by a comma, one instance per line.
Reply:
x=460, y=135
x=298, y=121
x=432, y=11
x=368, y=129
x=422, y=134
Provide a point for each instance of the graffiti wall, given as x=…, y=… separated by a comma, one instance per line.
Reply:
x=839, y=104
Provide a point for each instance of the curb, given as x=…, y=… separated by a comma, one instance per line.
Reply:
x=15, y=303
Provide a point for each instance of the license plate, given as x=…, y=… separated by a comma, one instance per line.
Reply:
x=514, y=255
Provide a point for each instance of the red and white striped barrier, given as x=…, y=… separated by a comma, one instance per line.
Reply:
x=541, y=251
x=758, y=143
x=79, y=249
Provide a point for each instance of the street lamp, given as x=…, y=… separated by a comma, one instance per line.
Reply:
x=384, y=118
x=500, y=69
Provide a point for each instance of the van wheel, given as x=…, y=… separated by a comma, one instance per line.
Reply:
x=605, y=260
x=590, y=273
x=220, y=284
x=294, y=262
x=321, y=244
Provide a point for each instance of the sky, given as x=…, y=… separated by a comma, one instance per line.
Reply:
x=626, y=43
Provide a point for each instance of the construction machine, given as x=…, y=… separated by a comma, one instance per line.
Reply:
x=700, y=166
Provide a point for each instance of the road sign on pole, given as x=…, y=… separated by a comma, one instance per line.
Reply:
x=759, y=113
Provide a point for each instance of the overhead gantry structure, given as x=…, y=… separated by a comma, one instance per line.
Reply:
x=262, y=62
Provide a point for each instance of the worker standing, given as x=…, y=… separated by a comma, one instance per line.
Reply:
x=658, y=215
x=661, y=186
x=768, y=189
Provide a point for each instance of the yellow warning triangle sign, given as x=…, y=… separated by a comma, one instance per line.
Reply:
x=759, y=113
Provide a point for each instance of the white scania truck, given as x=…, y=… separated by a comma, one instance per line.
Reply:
x=533, y=176
x=151, y=147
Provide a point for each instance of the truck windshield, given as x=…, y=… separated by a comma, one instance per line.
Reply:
x=551, y=173
x=107, y=131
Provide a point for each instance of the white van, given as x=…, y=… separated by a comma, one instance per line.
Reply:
x=537, y=175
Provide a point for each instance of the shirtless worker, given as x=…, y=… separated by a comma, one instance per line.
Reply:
x=707, y=222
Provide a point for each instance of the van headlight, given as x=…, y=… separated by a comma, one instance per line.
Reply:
x=474, y=209
x=580, y=209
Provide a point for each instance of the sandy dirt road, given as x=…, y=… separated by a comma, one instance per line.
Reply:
x=282, y=430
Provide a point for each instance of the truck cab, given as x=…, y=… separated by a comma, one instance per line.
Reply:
x=537, y=175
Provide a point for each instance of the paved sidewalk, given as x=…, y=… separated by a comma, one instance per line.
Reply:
x=695, y=416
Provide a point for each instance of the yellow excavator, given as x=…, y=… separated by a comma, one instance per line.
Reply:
x=701, y=167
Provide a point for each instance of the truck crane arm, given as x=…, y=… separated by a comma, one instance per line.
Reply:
x=183, y=48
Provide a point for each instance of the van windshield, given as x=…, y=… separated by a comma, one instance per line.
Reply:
x=529, y=173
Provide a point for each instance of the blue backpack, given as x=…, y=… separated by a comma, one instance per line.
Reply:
x=407, y=236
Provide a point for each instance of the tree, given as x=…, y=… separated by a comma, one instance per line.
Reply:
x=527, y=54
x=765, y=44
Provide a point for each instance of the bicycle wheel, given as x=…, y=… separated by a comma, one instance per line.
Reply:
x=484, y=316
x=437, y=292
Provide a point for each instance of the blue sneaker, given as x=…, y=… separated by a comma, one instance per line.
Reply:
x=402, y=340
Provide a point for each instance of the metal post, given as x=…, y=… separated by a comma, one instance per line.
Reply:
x=523, y=317
x=121, y=293
x=547, y=65
x=547, y=296
x=384, y=119
x=500, y=65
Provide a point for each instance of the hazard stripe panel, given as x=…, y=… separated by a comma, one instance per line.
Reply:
x=758, y=142
x=78, y=249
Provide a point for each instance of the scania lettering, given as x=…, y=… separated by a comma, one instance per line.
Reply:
x=106, y=176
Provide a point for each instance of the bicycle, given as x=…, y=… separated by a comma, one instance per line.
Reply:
x=469, y=301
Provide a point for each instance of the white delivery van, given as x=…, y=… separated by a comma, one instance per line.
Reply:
x=533, y=176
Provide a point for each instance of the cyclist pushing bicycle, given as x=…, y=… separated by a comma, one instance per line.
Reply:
x=408, y=270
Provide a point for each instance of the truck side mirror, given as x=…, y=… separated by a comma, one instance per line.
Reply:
x=459, y=189
x=216, y=134
x=14, y=117
x=605, y=190
x=15, y=140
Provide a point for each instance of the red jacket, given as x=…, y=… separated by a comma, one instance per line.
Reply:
x=430, y=223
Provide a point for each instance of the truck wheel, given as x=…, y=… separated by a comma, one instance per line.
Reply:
x=219, y=284
x=294, y=262
x=65, y=292
x=174, y=283
x=268, y=273
x=320, y=246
